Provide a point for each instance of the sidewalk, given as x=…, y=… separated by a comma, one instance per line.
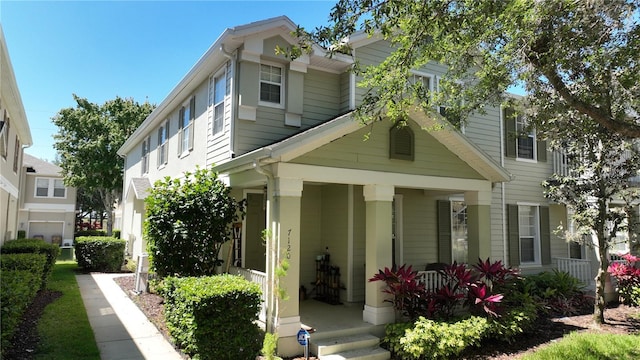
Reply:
x=121, y=330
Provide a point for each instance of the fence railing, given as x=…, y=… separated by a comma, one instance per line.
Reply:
x=431, y=279
x=257, y=277
x=578, y=268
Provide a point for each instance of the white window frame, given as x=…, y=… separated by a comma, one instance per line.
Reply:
x=217, y=108
x=281, y=84
x=537, y=251
x=521, y=123
x=4, y=135
x=163, y=144
x=466, y=224
x=186, y=137
x=441, y=109
x=146, y=146
x=51, y=187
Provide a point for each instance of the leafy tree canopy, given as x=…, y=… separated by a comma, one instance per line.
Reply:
x=572, y=57
x=88, y=138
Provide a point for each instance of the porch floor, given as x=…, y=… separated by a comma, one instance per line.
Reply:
x=326, y=318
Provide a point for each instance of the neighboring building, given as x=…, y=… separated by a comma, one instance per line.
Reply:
x=15, y=135
x=282, y=135
x=47, y=206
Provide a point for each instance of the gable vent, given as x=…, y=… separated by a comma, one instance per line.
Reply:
x=401, y=143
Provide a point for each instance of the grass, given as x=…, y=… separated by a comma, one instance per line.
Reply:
x=64, y=329
x=586, y=346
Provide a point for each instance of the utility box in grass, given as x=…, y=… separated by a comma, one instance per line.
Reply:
x=67, y=253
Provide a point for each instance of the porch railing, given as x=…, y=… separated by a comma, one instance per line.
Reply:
x=431, y=279
x=259, y=278
x=578, y=268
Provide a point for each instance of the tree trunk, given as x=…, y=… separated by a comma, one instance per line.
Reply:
x=108, y=199
x=601, y=278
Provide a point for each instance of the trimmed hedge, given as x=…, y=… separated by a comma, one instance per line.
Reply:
x=214, y=317
x=82, y=233
x=100, y=253
x=34, y=246
x=21, y=278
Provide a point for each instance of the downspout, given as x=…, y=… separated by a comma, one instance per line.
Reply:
x=234, y=103
x=272, y=301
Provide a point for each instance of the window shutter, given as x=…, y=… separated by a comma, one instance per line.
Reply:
x=509, y=133
x=159, y=147
x=542, y=150
x=513, y=235
x=192, y=114
x=444, y=231
x=545, y=236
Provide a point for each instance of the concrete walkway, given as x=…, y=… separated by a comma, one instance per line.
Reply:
x=121, y=330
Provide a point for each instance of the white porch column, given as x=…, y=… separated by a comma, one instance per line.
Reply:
x=287, y=196
x=378, y=252
x=478, y=224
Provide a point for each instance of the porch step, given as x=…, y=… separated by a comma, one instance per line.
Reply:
x=356, y=346
x=376, y=353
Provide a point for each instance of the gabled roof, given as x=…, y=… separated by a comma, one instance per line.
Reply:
x=140, y=188
x=219, y=52
x=40, y=166
x=340, y=126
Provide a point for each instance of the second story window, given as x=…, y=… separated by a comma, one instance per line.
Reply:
x=271, y=85
x=4, y=135
x=163, y=144
x=145, y=155
x=219, y=92
x=525, y=140
x=186, y=119
x=51, y=188
x=520, y=142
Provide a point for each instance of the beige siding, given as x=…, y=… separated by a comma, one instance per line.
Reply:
x=321, y=97
x=352, y=151
x=559, y=246
x=311, y=234
x=419, y=228
x=345, y=87
x=484, y=131
x=359, y=244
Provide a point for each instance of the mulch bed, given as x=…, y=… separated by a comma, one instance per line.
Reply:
x=621, y=319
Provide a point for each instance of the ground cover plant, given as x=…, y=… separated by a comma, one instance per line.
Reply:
x=590, y=346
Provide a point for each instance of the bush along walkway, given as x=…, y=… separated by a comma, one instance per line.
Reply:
x=121, y=330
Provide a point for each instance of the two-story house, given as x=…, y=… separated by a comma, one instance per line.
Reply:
x=47, y=205
x=15, y=135
x=282, y=135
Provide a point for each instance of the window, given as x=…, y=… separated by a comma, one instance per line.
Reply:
x=186, y=117
x=219, y=89
x=49, y=187
x=271, y=84
x=525, y=139
x=145, y=155
x=529, y=234
x=528, y=222
x=163, y=144
x=16, y=154
x=520, y=142
x=4, y=135
x=459, y=242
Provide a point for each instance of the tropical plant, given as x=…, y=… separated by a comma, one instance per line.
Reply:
x=627, y=275
x=405, y=289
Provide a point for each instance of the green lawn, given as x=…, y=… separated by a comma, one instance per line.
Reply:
x=64, y=328
x=588, y=346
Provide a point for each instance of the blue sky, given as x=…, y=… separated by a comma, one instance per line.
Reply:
x=133, y=49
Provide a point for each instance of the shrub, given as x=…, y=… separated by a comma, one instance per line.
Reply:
x=116, y=234
x=627, y=276
x=435, y=340
x=213, y=317
x=405, y=290
x=34, y=246
x=18, y=288
x=558, y=293
x=100, y=253
x=187, y=223
x=82, y=233
x=516, y=321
